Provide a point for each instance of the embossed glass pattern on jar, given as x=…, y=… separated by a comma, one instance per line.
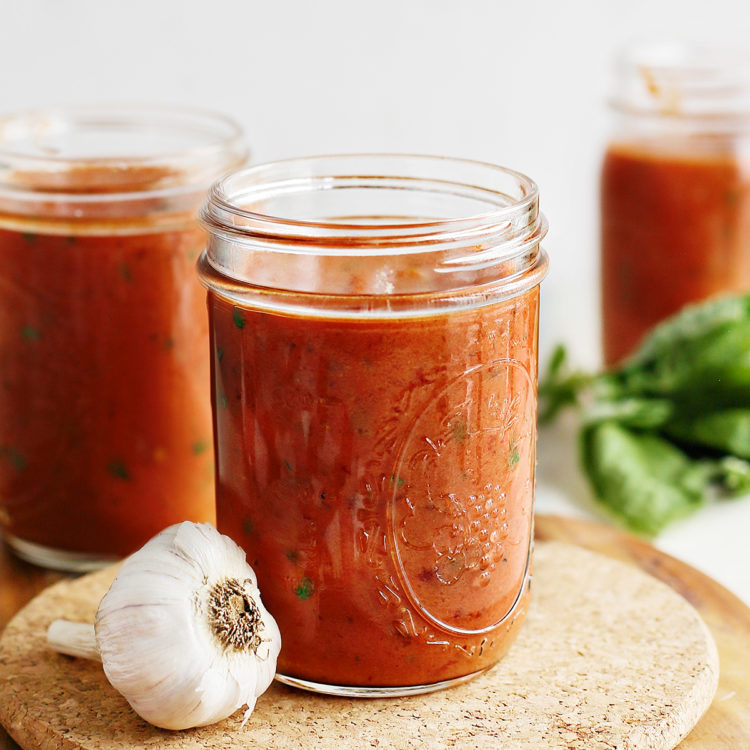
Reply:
x=374, y=351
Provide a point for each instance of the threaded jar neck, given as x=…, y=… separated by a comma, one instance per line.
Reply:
x=705, y=87
x=374, y=225
x=112, y=161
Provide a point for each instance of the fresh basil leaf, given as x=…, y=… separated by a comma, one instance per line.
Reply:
x=642, y=413
x=642, y=479
x=700, y=358
x=694, y=322
x=733, y=474
x=727, y=431
x=560, y=387
x=656, y=427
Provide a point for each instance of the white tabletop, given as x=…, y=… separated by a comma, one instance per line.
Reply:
x=715, y=540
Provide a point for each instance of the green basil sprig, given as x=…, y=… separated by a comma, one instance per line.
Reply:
x=671, y=425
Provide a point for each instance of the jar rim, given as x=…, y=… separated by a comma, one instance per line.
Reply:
x=380, y=234
x=687, y=80
x=225, y=210
x=110, y=152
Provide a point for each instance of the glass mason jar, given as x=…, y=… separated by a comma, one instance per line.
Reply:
x=374, y=326
x=675, y=188
x=105, y=426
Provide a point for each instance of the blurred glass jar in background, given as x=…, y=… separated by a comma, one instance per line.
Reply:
x=105, y=426
x=675, y=188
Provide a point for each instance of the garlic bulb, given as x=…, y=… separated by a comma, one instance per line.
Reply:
x=182, y=632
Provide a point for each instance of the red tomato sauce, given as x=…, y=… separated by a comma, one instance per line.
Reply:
x=675, y=229
x=379, y=474
x=105, y=431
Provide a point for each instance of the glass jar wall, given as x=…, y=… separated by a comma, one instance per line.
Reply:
x=374, y=367
x=675, y=188
x=105, y=432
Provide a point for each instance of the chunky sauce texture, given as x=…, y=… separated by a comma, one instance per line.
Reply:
x=105, y=427
x=379, y=473
x=675, y=229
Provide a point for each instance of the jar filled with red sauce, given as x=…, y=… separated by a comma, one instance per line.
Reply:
x=105, y=424
x=374, y=368
x=675, y=189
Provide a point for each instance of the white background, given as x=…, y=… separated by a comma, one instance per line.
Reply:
x=522, y=83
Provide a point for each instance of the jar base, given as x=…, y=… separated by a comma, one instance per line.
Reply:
x=375, y=691
x=57, y=559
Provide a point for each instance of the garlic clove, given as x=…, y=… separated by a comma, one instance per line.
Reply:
x=216, y=691
x=266, y=664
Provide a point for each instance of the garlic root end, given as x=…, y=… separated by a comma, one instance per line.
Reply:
x=73, y=639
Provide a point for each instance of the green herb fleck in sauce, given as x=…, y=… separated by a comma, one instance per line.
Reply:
x=118, y=469
x=219, y=353
x=513, y=457
x=459, y=430
x=29, y=333
x=165, y=341
x=247, y=526
x=398, y=481
x=16, y=459
x=30, y=237
x=305, y=588
x=239, y=321
x=288, y=465
x=200, y=446
x=124, y=270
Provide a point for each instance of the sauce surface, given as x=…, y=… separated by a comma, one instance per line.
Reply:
x=105, y=427
x=675, y=229
x=379, y=473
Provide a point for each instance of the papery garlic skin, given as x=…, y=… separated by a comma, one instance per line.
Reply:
x=162, y=652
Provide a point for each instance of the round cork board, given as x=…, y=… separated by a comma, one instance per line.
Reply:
x=609, y=658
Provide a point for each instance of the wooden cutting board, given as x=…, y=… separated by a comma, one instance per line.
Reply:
x=725, y=725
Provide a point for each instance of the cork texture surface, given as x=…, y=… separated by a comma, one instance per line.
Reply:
x=609, y=658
